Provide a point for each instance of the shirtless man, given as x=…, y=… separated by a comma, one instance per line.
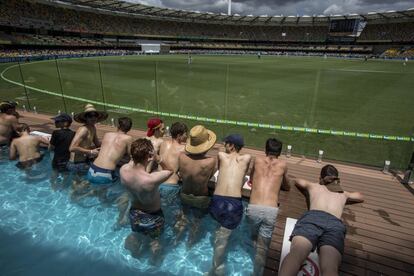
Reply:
x=85, y=145
x=321, y=227
x=195, y=169
x=146, y=216
x=226, y=204
x=155, y=132
x=269, y=175
x=168, y=158
x=113, y=147
x=27, y=147
x=8, y=123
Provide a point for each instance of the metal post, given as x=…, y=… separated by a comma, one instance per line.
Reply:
x=61, y=86
x=24, y=86
x=156, y=88
x=102, y=87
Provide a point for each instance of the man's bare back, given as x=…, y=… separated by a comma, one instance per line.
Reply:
x=8, y=123
x=169, y=151
x=269, y=175
x=196, y=171
x=232, y=169
x=27, y=147
x=114, y=146
x=143, y=186
x=324, y=200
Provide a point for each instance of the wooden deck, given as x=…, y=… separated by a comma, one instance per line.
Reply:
x=380, y=237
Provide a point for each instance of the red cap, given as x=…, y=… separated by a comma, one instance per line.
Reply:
x=152, y=125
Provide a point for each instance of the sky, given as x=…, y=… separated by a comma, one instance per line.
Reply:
x=283, y=7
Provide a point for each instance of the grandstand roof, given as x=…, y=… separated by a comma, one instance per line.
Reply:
x=119, y=6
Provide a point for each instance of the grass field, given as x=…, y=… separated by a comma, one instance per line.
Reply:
x=344, y=95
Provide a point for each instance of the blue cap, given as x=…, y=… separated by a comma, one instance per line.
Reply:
x=235, y=139
x=62, y=117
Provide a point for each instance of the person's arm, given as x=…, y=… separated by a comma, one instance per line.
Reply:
x=285, y=181
x=43, y=141
x=96, y=140
x=353, y=197
x=302, y=184
x=156, y=178
x=75, y=145
x=13, y=151
x=14, y=123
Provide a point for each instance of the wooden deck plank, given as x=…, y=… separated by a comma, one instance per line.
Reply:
x=380, y=238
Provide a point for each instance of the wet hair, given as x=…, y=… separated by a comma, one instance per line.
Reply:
x=178, y=128
x=329, y=174
x=23, y=127
x=273, y=147
x=236, y=147
x=141, y=149
x=124, y=124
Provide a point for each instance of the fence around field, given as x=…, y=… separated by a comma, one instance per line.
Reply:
x=154, y=89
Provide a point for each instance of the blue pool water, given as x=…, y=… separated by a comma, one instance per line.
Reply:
x=43, y=233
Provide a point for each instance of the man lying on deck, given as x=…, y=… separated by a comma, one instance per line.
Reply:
x=321, y=227
x=226, y=205
x=27, y=147
x=268, y=176
x=195, y=169
x=146, y=217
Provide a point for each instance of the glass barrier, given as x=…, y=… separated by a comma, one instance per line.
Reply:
x=309, y=104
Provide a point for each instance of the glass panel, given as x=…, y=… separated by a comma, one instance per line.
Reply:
x=129, y=83
x=42, y=83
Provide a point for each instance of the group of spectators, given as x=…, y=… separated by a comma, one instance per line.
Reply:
x=31, y=53
x=168, y=180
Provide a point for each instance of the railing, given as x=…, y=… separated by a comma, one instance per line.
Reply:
x=295, y=106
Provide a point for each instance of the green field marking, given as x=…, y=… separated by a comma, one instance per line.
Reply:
x=214, y=120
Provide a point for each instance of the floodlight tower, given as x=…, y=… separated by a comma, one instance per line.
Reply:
x=229, y=8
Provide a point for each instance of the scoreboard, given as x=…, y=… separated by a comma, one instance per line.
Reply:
x=345, y=29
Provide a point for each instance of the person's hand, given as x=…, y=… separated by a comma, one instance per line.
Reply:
x=94, y=152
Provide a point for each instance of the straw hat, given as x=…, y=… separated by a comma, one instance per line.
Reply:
x=200, y=140
x=89, y=108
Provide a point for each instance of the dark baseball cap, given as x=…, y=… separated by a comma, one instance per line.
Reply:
x=62, y=117
x=235, y=139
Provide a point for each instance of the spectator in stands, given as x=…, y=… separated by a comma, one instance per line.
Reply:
x=195, y=169
x=26, y=147
x=321, y=227
x=146, y=216
x=268, y=176
x=226, y=204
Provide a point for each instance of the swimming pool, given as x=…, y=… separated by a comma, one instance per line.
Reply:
x=42, y=232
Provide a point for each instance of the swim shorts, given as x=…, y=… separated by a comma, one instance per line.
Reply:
x=28, y=163
x=78, y=167
x=99, y=176
x=200, y=202
x=151, y=224
x=262, y=218
x=227, y=210
x=321, y=228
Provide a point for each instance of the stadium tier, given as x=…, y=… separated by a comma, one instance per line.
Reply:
x=109, y=24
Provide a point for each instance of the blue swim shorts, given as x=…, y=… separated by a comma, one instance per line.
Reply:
x=99, y=176
x=227, y=210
